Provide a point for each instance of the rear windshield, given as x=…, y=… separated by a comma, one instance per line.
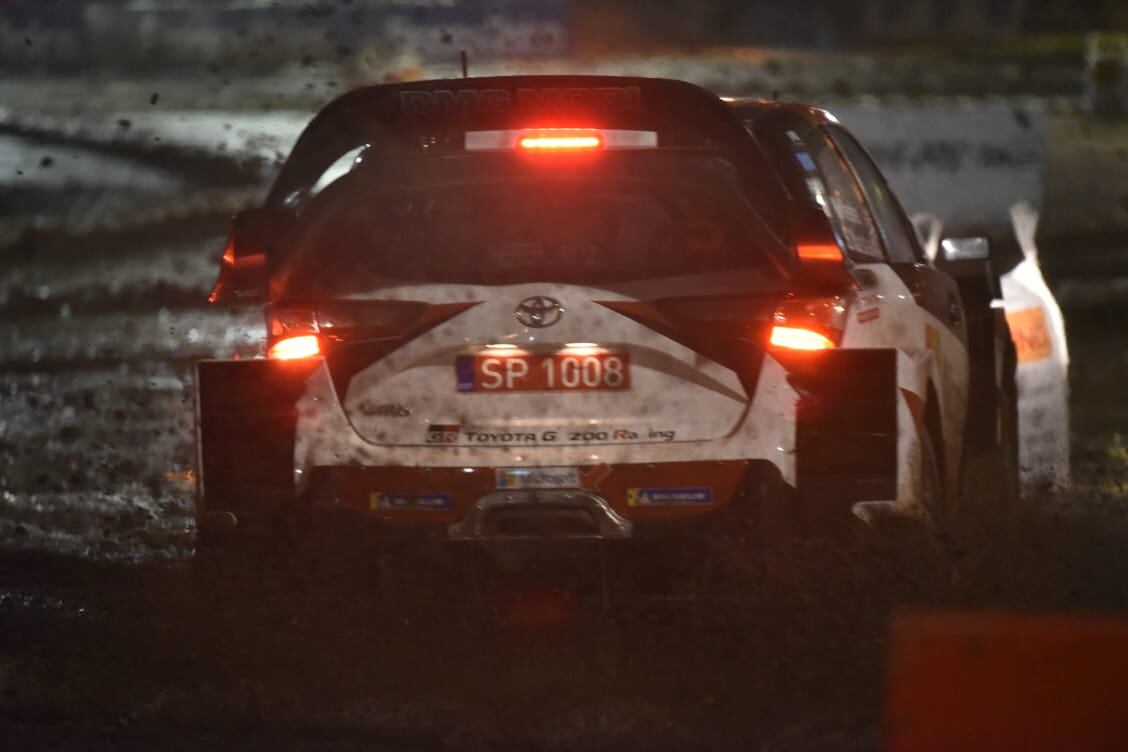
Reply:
x=495, y=220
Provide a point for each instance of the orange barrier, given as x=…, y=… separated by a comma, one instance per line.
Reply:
x=1000, y=682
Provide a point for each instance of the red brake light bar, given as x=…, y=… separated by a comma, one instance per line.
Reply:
x=543, y=140
x=560, y=140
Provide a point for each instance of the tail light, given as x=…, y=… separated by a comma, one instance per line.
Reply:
x=302, y=332
x=794, y=338
x=822, y=265
x=819, y=252
x=242, y=270
x=291, y=334
x=293, y=348
x=809, y=323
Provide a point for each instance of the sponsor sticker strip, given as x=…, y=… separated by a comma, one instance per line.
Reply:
x=637, y=497
x=456, y=434
x=517, y=478
x=868, y=314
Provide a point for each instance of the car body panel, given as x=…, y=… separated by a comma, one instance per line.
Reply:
x=673, y=394
x=325, y=438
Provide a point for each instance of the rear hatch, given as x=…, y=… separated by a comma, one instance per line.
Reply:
x=484, y=378
x=500, y=300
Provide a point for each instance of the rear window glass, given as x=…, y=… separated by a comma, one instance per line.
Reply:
x=514, y=225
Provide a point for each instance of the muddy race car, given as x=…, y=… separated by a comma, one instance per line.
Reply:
x=562, y=310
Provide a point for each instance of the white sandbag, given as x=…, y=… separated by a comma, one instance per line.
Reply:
x=1038, y=331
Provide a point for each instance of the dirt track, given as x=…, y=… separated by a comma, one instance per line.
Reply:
x=109, y=637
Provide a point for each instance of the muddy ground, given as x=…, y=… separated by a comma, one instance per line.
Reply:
x=111, y=639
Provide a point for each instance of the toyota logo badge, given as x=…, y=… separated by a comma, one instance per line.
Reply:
x=539, y=311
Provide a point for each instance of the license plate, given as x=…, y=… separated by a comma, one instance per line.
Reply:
x=534, y=372
x=517, y=478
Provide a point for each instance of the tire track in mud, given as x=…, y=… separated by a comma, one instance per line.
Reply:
x=101, y=318
x=196, y=165
x=73, y=178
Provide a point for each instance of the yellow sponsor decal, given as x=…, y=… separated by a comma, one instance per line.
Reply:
x=374, y=500
x=932, y=340
x=1030, y=333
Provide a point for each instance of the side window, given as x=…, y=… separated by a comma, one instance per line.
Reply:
x=900, y=239
x=772, y=131
x=844, y=201
x=338, y=169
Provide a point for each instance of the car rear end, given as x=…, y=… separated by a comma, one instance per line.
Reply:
x=549, y=324
x=547, y=344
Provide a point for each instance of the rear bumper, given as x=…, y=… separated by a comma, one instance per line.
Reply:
x=639, y=501
x=324, y=437
x=830, y=432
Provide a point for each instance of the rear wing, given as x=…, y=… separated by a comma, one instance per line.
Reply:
x=433, y=117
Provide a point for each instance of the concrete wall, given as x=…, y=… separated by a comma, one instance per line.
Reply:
x=965, y=161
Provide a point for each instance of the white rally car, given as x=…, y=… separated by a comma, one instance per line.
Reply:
x=601, y=309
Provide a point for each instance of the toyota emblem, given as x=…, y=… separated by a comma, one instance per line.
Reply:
x=539, y=311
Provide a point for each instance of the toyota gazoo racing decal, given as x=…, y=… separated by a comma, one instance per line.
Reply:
x=448, y=434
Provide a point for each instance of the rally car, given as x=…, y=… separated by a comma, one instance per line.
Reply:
x=601, y=309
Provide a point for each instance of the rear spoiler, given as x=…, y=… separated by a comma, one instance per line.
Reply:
x=430, y=115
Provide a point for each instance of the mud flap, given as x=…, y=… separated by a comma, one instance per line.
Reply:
x=846, y=429
x=990, y=351
x=245, y=419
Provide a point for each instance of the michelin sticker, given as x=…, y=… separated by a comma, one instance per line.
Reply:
x=638, y=497
x=384, y=500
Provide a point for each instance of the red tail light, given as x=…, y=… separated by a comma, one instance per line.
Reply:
x=240, y=277
x=809, y=323
x=794, y=338
x=301, y=332
x=819, y=252
x=822, y=265
x=293, y=348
